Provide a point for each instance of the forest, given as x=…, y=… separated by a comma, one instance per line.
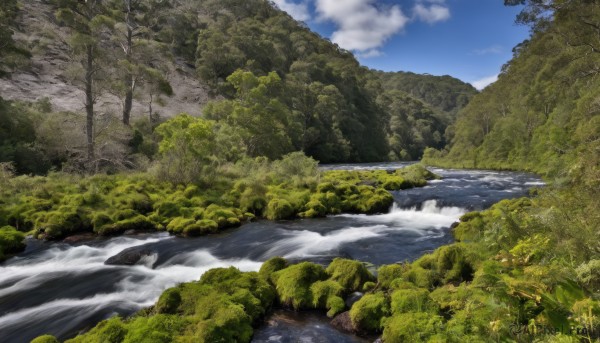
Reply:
x=516, y=272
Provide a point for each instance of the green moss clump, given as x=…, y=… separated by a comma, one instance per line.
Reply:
x=413, y=327
x=368, y=313
x=278, y=209
x=388, y=273
x=138, y=223
x=271, y=266
x=351, y=275
x=327, y=294
x=112, y=330
x=369, y=286
x=293, y=284
x=11, y=241
x=412, y=300
x=45, y=339
x=160, y=328
x=169, y=301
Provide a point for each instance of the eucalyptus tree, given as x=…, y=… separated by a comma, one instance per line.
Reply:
x=88, y=21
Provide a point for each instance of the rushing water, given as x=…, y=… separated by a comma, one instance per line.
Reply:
x=62, y=288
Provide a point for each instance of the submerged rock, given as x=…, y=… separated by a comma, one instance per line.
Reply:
x=130, y=257
x=343, y=322
x=354, y=297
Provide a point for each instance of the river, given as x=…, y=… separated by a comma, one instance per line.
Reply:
x=61, y=288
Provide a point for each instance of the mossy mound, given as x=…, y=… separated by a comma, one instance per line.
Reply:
x=11, y=242
x=293, y=284
x=351, y=275
x=368, y=313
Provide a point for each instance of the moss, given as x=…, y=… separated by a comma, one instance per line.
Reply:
x=412, y=300
x=293, y=284
x=272, y=265
x=62, y=222
x=169, y=301
x=388, y=273
x=224, y=217
x=323, y=290
x=278, y=209
x=160, y=328
x=412, y=327
x=335, y=306
x=109, y=331
x=369, y=286
x=138, y=223
x=11, y=241
x=368, y=313
x=45, y=339
x=351, y=275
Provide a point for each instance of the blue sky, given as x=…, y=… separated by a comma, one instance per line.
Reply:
x=468, y=39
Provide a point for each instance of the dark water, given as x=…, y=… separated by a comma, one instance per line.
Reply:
x=61, y=288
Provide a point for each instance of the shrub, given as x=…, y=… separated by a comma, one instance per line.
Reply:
x=351, y=275
x=293, y=284
x=278, y=209
x=367, y=313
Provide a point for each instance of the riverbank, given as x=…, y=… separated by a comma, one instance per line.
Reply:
x=62, y=205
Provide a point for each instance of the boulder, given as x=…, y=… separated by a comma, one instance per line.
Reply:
x=343, y=322
x=129, y=257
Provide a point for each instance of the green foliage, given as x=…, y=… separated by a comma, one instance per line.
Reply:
x=293, y=284
x=412, y=300
x=186, y=148
x=369, y=312
x=45, y=339
x=412, y=327
x=388, y=273
x=351, y=275
x=11, y=241
x=327, y=294
x=271, y=266
x=279, y=209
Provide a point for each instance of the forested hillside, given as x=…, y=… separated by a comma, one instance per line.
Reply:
x=104, y=74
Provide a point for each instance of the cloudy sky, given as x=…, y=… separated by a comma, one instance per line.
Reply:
x=468, y=39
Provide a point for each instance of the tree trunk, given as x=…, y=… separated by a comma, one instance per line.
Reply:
x=130, y=82
x=89, y=103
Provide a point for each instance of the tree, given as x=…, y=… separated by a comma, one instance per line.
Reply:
x=261, y=118
x=141, y=55
x=88, y=21
x=186, y=149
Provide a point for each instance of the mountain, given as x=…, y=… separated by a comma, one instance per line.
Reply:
x=179, y=57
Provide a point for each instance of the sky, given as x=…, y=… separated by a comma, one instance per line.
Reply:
x=467, y=39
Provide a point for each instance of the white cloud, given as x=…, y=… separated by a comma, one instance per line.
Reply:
x=492, y=50
x=362, y=25
x=298, y=11
x=484, y=82
x=370, y=53
x=431, y=13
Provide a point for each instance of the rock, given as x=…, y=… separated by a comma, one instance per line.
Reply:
x=129, y=257
x=79, y=238
x=454, y=225
x=343, y=322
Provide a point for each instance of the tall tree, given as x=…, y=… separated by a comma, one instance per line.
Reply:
x=141, y=55
x=87, y=19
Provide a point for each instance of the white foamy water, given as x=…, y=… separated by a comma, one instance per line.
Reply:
x=430, y=215
x=140, y=288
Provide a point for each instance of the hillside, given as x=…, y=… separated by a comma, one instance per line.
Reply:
x=179, y=59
